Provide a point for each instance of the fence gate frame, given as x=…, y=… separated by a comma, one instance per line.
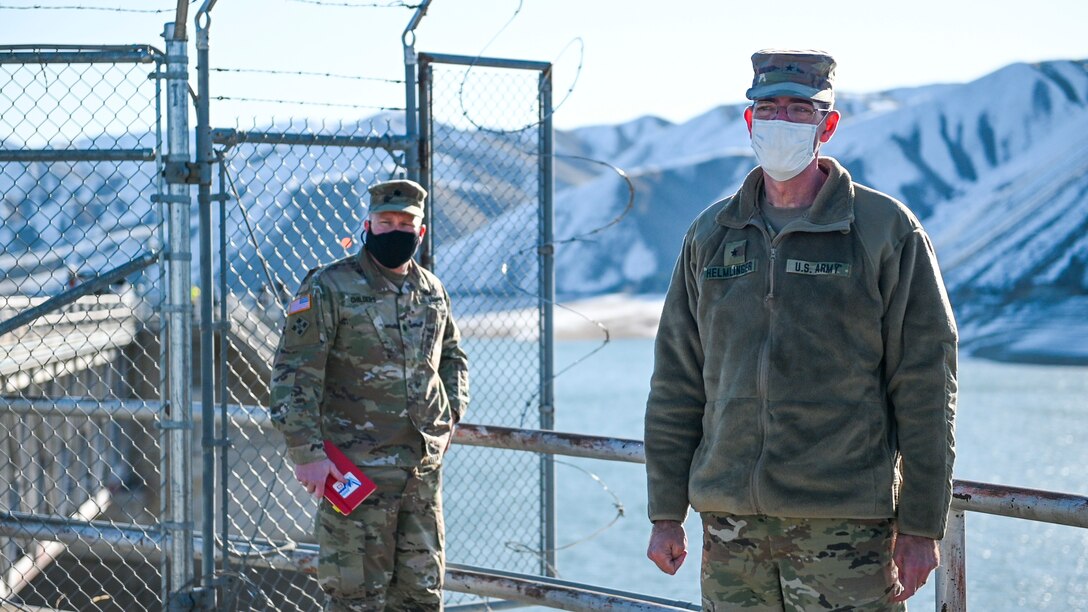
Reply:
x=172, y=533
x=545, y=247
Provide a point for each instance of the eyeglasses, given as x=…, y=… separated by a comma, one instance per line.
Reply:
x=797, y=112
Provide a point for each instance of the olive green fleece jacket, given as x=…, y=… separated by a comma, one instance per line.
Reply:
x=812, y=375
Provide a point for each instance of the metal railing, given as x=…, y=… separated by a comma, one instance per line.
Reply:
x=951, y=587
x=967, y=496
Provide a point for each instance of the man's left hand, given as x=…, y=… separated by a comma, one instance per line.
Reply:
x=915, y=557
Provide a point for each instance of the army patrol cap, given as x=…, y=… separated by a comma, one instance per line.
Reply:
x=400, y=195
x=800, y=74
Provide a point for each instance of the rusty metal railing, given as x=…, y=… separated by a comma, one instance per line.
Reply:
x=967, y=496
x=951, y=586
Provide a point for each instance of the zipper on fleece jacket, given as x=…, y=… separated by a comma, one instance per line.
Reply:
x=764, y=375
x=763, y=385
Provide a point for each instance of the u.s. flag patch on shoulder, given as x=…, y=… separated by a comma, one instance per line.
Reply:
x=299, y=304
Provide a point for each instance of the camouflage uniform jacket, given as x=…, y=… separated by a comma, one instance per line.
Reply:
x=376, y=369
x=812, y=375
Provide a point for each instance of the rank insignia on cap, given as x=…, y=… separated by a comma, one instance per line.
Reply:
x=300, y=304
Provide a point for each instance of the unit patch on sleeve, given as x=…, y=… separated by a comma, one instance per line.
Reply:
x=301, y=329
x=300, y=326
x=817, y=268
x=300, y=304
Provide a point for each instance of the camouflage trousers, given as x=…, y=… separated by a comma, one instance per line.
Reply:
x=389, y=553
x=768, y=563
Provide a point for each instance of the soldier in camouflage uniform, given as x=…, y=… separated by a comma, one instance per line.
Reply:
x=804, y=387
x=370, y=359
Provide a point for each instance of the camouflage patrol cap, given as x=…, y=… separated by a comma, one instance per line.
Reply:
x=400, y=195
x=784, y=72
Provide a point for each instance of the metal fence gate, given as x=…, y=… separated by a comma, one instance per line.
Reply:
x=80, y=386
x=486, y=159
x=292, y=197
x=123, y=364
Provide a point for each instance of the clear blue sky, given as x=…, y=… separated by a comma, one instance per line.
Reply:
x=674, y=59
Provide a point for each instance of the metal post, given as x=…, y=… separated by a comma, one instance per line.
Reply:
x=177, y=417
x=204, y=159
x=164, y=247
x=951, y=584
x=411, y=124
x=426, y=173
x=547, y=301
x=224, y=423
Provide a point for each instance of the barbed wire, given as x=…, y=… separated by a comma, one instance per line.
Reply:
x=505, y=267
x=307, y=103
x=480, y=55
x=84, y=7
x=307, y=73
x=551, y=113
x=542, y=553
x=626, y=209
x=517, y=11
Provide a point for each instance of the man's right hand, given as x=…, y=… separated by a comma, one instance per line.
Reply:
x=668, y=546
x=313, y=476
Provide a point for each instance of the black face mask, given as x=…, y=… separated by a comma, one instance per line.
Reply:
x=392, y=249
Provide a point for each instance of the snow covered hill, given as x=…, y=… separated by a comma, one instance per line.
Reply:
x=997, y=170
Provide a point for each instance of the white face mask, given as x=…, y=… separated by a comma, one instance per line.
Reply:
x=783, y=148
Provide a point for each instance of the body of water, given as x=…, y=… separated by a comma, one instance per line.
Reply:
x=1019, y=425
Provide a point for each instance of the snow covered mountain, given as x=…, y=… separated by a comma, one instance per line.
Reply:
x=996, y=169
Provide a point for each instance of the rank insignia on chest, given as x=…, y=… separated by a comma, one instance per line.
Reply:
x=300, y=304
x=735, y=253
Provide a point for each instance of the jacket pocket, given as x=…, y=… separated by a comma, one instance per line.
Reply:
x=379, y=324
x=434, y=326
x=723, y=464
x=825, y=455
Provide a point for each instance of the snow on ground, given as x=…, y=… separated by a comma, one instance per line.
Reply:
x=622, y=315
x=1015, y=337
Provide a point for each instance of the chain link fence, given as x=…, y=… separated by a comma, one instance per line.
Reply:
x=294, y=201
x=88, y=301
x=486, y=123
x=79, y=377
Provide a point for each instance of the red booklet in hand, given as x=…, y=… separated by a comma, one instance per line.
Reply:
x=346, y=496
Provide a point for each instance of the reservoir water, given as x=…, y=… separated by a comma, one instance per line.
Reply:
x=1019, y=425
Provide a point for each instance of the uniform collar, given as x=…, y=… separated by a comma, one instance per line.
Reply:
x=415, y=279
x=834, y=204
